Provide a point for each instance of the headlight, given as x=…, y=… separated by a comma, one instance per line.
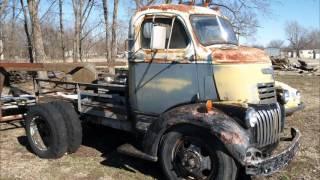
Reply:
x=251, y=117
x=298, y=95
x=285, y=96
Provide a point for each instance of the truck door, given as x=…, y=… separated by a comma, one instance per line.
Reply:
x=163, y=78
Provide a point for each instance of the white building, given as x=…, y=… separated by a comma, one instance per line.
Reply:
x=306, y=53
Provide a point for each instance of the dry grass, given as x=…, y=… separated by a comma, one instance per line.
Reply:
x=97, y=158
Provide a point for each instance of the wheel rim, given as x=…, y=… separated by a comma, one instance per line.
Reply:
x=193, y=159
x=40, y=133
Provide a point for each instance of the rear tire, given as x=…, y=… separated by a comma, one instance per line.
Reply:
x=191, y=153
x=73, y=124
x=46, y=131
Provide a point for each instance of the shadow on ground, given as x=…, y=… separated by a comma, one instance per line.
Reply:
x=103, y=141
x=106, y=140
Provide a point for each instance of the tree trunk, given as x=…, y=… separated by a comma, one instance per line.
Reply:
x=3, y=6
x=12, y=43
x=77, y=9
x=106, y=22
x=40, y=55
x=297, y=53
x=1, y=49
x=61, y=30
x=29, y=43
x=114, y=30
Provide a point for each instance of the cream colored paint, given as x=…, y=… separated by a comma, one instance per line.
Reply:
x=168, y=85
x=238, y=82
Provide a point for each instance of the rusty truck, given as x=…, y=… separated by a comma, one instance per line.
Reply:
x=199, y=103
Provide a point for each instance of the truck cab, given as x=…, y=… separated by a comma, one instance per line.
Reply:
x=200, y=104
x=186, y=61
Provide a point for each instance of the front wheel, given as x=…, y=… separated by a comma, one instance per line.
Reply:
x=191, y=153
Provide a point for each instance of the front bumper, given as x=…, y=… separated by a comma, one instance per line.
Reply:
x=272, y=164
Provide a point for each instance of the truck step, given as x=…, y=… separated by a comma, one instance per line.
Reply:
x=130, y=150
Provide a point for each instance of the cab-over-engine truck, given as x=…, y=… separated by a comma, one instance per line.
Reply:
x=200, y=104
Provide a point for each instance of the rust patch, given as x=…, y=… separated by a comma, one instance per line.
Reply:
x=170, y=51
x=231, y=138
x=166, y=7
x=241, y=54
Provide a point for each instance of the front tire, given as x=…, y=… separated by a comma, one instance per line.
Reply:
x=46, y=131
x=191, y=153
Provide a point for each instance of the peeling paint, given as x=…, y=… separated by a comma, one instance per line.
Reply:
x=166, y=7
x=168, y=85
x=240, y=54
x=231, y=138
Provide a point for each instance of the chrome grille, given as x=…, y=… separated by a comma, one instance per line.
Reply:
x=267, y=93
x=268, y=128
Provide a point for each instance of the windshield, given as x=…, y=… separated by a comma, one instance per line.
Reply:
x=213, y=30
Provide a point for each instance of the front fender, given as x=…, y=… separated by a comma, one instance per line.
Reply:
x=226, y=129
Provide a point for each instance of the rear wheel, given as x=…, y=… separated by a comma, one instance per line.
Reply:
x=73, y=124
x=46, y=131
x=189, y=153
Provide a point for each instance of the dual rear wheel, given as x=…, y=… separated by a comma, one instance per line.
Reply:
x=53, y=129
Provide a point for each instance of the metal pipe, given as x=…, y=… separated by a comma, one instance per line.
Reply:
x=169, y=40
x=11, y=118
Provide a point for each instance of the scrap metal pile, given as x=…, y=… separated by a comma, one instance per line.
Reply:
x=13, y=108
x=285, y=64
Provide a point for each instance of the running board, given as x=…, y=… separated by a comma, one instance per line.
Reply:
x=130, y=150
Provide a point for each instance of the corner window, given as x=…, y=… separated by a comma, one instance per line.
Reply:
x=179, y=38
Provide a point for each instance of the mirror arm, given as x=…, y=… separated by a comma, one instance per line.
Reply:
x=169, y=40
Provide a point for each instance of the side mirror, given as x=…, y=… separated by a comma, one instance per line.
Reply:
x=158, y=37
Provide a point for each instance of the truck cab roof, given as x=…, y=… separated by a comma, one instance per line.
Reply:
x=179, y=9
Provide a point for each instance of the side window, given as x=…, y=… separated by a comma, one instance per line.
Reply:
x=179, y=38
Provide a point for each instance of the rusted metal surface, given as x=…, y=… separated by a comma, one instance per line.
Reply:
x=81, y=72
x=240, y=54
x=274, y=163
x=12, y=66
x=231, y=138
x=11, y=118
x=166, y=7
x=230, y=133
x=40, y=66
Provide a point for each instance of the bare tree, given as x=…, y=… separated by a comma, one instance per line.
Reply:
x=26, y=29
x=63, y=48
x=106, y=25
x=3, y=6
x=114, y=30
x=141, y=3
x=243, y=13
x=276, y=43
x=297, y=36
x=40, y=55
x=314, y=39
x=82, y=10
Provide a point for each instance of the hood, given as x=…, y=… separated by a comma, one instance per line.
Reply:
x=238, y=54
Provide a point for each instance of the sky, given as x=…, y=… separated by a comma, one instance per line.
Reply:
x=305, y=12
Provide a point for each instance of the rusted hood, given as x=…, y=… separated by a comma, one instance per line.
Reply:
x=239, y=54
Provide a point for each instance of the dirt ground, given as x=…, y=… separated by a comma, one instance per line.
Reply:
x=97, y=157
